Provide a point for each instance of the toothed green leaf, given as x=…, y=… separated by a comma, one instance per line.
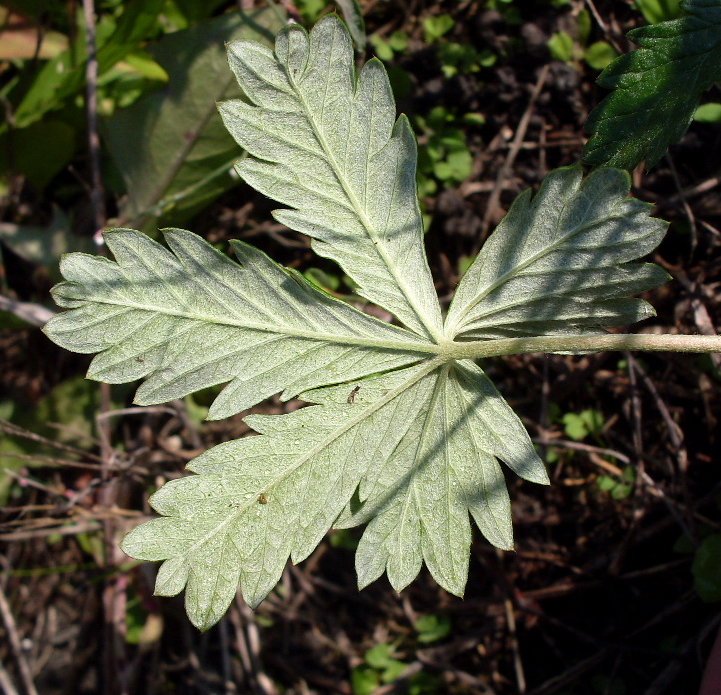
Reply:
x=404, y=433
x=558, y=262
x=420, y=444
x=194, y=318
x=657, y=88
x=328, y=146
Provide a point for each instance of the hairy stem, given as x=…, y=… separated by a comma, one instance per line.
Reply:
x=586, y=343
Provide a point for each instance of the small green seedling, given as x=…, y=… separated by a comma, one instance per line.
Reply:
x=578, y=426
x=706, y=568
x=618, y=488
x=386, y=49
x=708, y=113
x=380, y=667
x=600, y=55
x=431, y=628
x=561, y=46
x=445, y=156
x=463, y=58
x=437, y=26
x=597, y=56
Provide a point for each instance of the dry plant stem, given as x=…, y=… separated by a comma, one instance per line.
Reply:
x=34, y=314
x=513, y=636
x=50, y=461
x=686, y=522
x=85, y=527
x=228, y=685
x=114, y=591
x=136, y=410
x=15, y=431
x=91, y=76
x=580, y=446
x=495, y=196
x=6, y=684
x=636, y=410
x=248, y=643
x=697, y=294
x=599, y=20
x=14, y=639
x=689, y=192
x=674, y=431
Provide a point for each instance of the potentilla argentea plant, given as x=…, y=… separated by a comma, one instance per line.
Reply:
x=405, y=431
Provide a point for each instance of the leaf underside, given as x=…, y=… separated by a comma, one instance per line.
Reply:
x=558, y=262
x=329, y=147
x=657, y=88
x=399, y=435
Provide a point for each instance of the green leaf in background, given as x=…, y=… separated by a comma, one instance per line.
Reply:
x=655, y=11
x=708, y=113
x=353, y=16
x=140, y=62
x=170, y=146
x=657, y=88
x=578, y=426
x=706, y=569
x=618, y=488
x=364, y=680
x=194, y=11
x=599, y=55
x=455, y=167
x=385, y=49
x=65, y=75
x=584, y=24
x=463, y=58
x=561, y=46
x=66, y=415
x=43, y=246
x=437, y=26
x=431, y=628
x=311, y=10
x=39, y=151
x=381, y=657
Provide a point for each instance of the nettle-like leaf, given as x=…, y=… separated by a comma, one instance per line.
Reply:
x=404, y=431
x=657, y=88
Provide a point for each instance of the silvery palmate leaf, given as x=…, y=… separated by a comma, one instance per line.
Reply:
x=401, y=433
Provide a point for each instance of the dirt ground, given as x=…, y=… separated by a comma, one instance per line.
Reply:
x=598, y=597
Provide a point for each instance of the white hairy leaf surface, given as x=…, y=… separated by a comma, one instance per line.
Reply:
x=405, y=434
x=194, y=318
x=329, y=147
x=558, y=262
x=415, y=448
